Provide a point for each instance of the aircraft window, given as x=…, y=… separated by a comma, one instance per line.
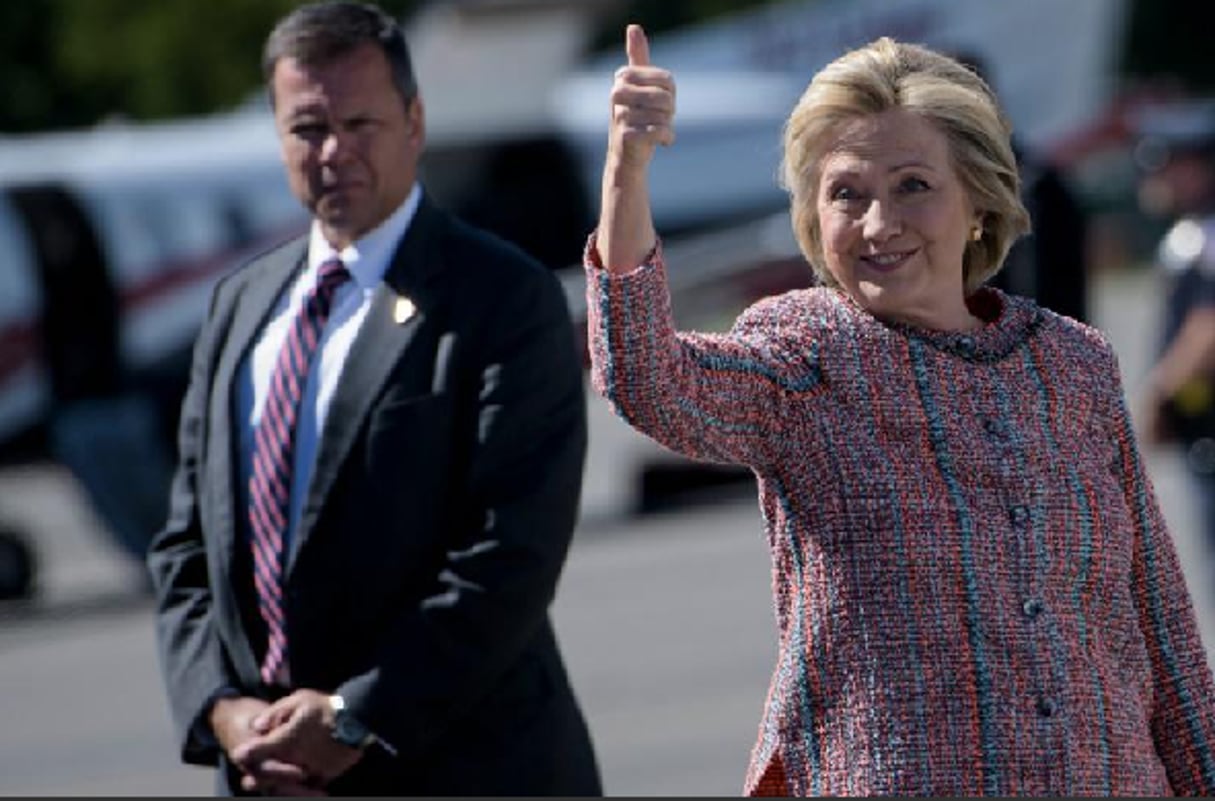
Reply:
x=144, y=227
x=19, y=294
x=267, y=204
x=239, y=232
x=189, y=225
x=127, y=235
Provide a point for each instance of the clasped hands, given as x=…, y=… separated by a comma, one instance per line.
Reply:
x=284, y=748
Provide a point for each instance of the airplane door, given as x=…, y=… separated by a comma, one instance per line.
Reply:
x=24, y=388
x=99, y=427
x=79, y=326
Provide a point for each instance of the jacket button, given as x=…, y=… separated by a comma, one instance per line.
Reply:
x=995, y=429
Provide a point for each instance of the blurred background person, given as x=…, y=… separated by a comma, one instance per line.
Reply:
x=976, y=589
x=1176, y=152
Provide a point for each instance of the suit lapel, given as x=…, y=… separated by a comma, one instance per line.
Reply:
x=379, y=346
x=266, y=282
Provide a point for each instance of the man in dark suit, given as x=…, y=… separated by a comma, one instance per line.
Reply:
x=380, y=460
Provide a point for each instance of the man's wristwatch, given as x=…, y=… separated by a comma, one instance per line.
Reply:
x=347, y=729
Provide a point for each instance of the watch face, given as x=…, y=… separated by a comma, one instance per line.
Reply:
x=348, y=731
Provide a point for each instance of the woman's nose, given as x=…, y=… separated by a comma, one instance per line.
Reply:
x=881, y=221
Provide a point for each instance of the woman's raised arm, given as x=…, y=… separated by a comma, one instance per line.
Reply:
x=643, y=112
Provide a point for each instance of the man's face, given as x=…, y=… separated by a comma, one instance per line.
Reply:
x=349, y=143
x=1184, y=184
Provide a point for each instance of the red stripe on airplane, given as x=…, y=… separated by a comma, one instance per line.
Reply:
x=19, y=341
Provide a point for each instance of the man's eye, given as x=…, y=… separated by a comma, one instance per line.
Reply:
x=308, y=130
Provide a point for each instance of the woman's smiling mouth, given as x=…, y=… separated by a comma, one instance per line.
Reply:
x=887, y=262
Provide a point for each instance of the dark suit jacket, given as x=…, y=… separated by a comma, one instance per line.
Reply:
x=433, y=534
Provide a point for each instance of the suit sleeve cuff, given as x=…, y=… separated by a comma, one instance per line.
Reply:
x=201, y=730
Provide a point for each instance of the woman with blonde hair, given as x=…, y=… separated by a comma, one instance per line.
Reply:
x=975, y=590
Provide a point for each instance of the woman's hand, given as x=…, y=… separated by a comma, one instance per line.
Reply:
x=643, y=112
x=643, y=106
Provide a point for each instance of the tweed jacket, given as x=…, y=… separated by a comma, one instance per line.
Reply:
x=974, y=587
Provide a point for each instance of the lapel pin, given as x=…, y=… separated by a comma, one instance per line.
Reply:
x=403, y=310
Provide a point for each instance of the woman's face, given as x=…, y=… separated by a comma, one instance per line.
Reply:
x=895, y=220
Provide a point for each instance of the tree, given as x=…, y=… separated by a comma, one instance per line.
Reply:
x=1170, y=41
x=33, y=97
x=164, y=58
x=68, y=63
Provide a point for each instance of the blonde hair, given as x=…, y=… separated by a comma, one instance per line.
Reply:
x=885, y=75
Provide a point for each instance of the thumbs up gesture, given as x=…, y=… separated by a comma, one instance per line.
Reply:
x=643, y=106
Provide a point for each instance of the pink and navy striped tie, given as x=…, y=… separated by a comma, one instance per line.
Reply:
x=273, y=449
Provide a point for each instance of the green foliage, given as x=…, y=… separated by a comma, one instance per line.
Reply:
x=67, y=63
x=165, y=57
x=25, y=41
x=1170, y=41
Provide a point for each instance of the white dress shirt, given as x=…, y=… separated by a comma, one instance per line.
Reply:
x=367, y=259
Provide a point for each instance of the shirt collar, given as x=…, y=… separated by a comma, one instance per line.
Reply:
x=368, y=257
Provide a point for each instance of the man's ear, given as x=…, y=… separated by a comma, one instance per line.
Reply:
x=415, y=114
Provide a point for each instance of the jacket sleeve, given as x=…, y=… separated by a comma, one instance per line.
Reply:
x=519, y=499
x=192, y=663
x=1183, y=704
x=713, y=397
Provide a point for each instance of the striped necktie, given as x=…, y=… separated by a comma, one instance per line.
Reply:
x=273, y=449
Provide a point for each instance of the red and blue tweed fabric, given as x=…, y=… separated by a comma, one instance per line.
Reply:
x=975, y=590
x=273, y=463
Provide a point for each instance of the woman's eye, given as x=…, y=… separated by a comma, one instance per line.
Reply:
x=913, y=185
x=844, y=194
